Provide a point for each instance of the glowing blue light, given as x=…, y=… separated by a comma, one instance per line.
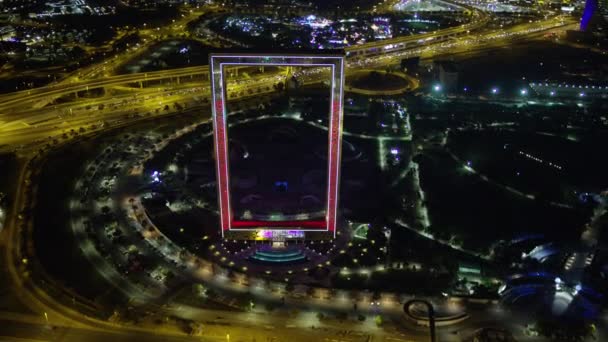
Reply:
x=494, y=90
x=523, y=92
x=437, y=87
x=394, y=151
x=156, y=177
x=590, y=8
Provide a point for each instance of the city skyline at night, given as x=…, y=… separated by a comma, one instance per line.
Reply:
x=288, y=170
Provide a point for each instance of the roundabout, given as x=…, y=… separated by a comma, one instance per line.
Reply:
x=380, y=83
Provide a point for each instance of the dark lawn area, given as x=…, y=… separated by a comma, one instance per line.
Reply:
x=522, y=63
x=54, y=241
x=479, y=213
x=186, y=228
x=169, y=54
x=550, y=167
x=401, y=281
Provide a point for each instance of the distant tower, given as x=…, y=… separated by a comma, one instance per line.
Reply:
x=595, y=10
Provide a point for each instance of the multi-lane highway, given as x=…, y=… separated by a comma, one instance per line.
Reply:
x=29, y=116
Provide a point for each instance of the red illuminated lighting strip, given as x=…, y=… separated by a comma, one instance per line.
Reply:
x=316, y=224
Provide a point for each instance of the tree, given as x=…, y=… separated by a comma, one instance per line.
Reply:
x=195, y=328
x=77, y=52
x=571, y=330
x=270, y=306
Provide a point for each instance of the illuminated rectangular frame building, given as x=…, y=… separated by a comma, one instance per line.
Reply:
x=217, y=62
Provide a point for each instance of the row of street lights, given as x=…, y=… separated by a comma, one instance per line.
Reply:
x=437, y=88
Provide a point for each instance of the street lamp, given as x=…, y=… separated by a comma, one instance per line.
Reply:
x=430, y=312
x=437, y=87
x=523, y=92
x=494, y=90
